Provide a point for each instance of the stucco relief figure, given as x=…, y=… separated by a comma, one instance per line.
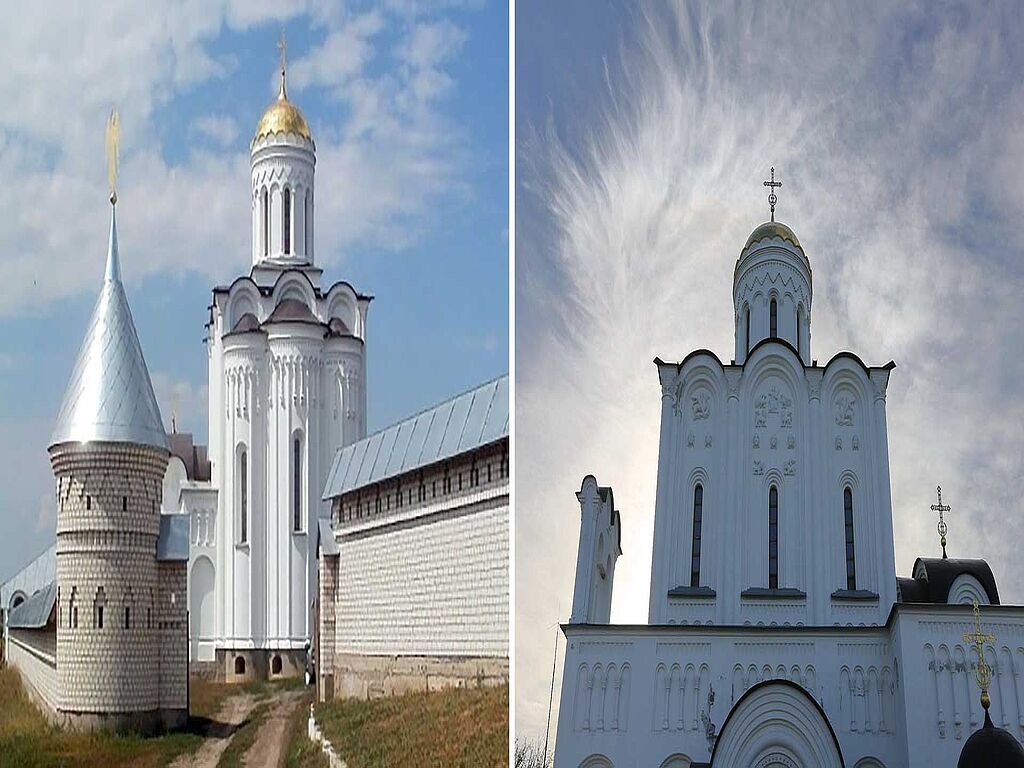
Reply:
x=790, y=467
x=689, y=440
x=758, y=467
x=773, y=402
x=701, y=406
x=844, y=411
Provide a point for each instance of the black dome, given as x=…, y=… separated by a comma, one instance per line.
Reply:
x=991, y=747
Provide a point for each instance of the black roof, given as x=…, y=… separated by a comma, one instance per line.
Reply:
x=933, y=576
x=989, y=747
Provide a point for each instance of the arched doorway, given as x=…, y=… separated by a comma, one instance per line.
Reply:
x=776, y=724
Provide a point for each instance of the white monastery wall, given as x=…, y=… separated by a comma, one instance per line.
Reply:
x=433, y=585
x=33, y=654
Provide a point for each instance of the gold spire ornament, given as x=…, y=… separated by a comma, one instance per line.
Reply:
x=282, y=117
x=113, y=147
x=984, y=673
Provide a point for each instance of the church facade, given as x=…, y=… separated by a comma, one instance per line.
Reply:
x=287, y=368
x=778, y=631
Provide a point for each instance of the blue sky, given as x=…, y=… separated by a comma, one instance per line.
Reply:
x=644, y=131
x=408, y=104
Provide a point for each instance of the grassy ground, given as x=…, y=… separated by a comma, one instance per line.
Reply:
x=27, y=740
x=461, y=728
x=302, y=753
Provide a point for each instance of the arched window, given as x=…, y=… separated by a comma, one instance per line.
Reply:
x=851, y=562
x=798, y=334
x=698, y=515
x=307, y=230
x=287, y=220
x=746, y=327
x=773, y=538
x=265, y=205
x=297, y=484
x=243, y=496
x=773, y=319
x=239, y=665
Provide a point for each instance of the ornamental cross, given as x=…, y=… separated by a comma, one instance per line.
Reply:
x=941, y=527
x=772, y=198
x=978, y=640
x=282, y=46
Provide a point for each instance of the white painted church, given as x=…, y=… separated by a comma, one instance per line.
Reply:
x=287, y=368
x=779, y=634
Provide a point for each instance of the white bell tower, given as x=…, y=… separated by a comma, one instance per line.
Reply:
x=283, y=159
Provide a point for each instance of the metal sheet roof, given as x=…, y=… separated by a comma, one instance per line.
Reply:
x=172, y=543
x=35, y=611
x=463, y=423
x=31, y=578
x=109, y=396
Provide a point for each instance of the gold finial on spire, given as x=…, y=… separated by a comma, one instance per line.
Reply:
x=983, y=673
x=113, y=149
x=282, y=46
x=942, y=528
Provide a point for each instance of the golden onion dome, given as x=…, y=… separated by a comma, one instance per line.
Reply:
x=282, y=117
x=772, y=229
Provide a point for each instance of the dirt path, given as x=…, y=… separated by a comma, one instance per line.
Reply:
x=227, y=720
x=268, y=751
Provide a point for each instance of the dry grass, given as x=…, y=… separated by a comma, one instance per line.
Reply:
x=302, y=753
x=462, y=728
x=27, y=740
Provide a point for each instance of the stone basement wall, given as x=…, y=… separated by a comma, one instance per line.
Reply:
x=370, y=677
x=33, y=655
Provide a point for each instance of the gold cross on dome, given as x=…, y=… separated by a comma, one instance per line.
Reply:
x=942, y=528
x=978, y=640
x=772, y=198
x=282, y=46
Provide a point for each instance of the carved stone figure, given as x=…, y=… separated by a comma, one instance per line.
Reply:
x=844, y=410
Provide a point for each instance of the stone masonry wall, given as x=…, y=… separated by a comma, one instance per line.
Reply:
x=435, y=585
x=328, y=568
x=108, y=497
x=173, y=628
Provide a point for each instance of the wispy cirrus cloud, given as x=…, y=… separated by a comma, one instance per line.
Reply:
x=891, y=138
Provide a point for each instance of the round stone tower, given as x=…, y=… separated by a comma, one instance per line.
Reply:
x=120, y=610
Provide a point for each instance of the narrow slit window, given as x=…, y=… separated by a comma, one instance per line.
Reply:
x=774, y=319
x=243, y=479
x=265, y=205
x=851, y=561
x=746, y=323
x=773, y=538
x=698, y=516
x=297, y=485
x=287, y=221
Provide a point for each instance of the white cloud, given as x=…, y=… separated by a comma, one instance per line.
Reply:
x=220, y=129
x=382, y=168
x=184, y=401
x=892, y=156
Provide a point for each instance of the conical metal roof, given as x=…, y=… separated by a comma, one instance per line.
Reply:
x=110, y=397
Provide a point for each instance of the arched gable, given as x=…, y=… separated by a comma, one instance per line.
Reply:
x=773, y=718
x=243, y=298
x=294, y=284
